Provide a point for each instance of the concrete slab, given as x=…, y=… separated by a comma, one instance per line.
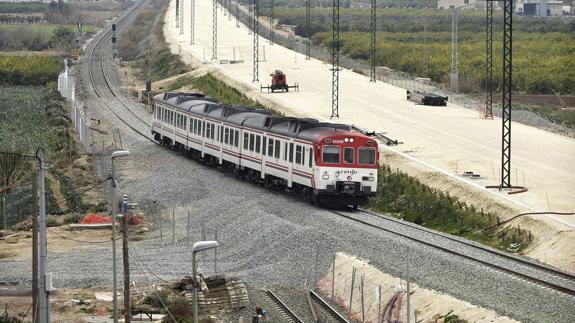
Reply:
x=440, y=139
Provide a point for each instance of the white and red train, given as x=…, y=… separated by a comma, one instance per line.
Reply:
x=328, y=163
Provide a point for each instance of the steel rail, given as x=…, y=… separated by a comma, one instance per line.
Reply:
x=284, y=307
x=551, y=285
x=526, y=262
x=328, y=307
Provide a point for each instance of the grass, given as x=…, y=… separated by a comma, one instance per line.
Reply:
x=21, y=7
x=407, y=198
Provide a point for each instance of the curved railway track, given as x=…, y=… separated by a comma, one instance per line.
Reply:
x=526, y=269
x=103, y=88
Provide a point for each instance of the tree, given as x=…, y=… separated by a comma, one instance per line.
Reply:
x=12, y=170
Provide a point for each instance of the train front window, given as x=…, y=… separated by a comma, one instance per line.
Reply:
x=330, y=154
x=348, y=157
x=366, y=156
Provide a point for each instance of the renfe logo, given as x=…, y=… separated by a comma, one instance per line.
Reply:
x=346, y=172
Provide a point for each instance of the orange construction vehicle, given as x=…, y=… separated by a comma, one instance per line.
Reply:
x=279, y=82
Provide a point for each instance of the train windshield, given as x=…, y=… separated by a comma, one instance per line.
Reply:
x=366, y=156
x=331, y=154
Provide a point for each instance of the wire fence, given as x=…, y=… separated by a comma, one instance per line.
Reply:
x=522, y=113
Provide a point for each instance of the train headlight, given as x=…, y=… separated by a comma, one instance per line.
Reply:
x=325, y=176
x=350, y=139
x=368, y=178
x=346, y=139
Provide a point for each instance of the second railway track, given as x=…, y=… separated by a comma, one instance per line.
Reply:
x=539, y=274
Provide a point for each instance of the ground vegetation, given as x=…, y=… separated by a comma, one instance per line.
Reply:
x=407, y=198
x=143, y=45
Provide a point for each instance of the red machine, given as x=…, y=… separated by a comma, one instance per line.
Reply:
x=279, y=82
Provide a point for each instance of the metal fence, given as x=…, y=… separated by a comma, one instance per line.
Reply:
x=66, y=87
x=523, y=114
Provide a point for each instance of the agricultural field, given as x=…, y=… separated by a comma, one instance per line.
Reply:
x=543, y=48
x=29, y=70
x=68, y=172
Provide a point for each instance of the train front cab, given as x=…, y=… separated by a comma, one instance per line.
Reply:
x=346, y=170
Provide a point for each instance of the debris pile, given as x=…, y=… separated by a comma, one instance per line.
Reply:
x=217, y=292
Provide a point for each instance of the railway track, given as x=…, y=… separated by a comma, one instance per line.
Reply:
x=525, y=269
x=327, y=310
x=101, y=82
x=282, y=308
x=536, y=273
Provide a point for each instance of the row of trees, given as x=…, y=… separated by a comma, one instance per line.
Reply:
x=543, y=60
x=34, y=39
x=20, y=20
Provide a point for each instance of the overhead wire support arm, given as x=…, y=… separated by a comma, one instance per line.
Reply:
x=489, y=61
x=372, y=52
x=256, y=41
x=308, y=29
x=335, y=61
x=177, y=13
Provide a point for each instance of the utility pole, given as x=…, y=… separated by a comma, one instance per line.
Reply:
x=192, y=22
x=126, y=256
x=43, y=300
x=454, y=46
x=308, y=29
x=271, y=22
x=256, y=73
x=215, y=29
x=182, y=17
x=34, y=245
x=489, y=61
x=373, y=52
x=408, y=287
x=335, y=61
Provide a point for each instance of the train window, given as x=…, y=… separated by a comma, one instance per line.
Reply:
x=298, y=154
x=213, y=130
x=310, y=156
x=264, y=145
x=270, y=147
x=204, y=128
x=277, y=149
x=246, y=140
x=208, y=128
x=252, y=142
x=366, y=156
x=226, y=135
x=258, y=144
x=348, y=157
x=237, y=138
x=330, y=154
x=285, y=151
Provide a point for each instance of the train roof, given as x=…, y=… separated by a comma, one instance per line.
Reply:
x=300, y=128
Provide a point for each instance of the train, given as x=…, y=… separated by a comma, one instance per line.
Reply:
x=329, y=164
